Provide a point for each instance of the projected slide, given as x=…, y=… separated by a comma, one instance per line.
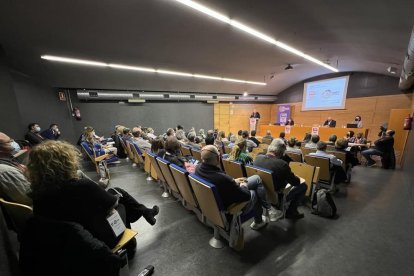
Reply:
x=325, y=94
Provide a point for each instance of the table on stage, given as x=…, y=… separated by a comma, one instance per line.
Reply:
x=299, y=132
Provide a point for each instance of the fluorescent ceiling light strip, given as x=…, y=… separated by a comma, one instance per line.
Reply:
x=252, y=32
x=144, y=69
x=134, y=68
x=74, y=60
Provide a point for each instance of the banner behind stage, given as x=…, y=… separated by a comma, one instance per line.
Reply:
x=283, y=113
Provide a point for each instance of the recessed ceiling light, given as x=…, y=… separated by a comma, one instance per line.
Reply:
x=145, y=69
x=253, y=32
x=245, y=94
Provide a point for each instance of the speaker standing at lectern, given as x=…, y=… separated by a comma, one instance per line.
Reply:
x=255, y=115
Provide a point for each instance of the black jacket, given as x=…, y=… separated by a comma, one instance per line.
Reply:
x=282, y=174
x=227, y=188
x=255, y=115
x=34, y=138
x=332, y=123
x=50, y=247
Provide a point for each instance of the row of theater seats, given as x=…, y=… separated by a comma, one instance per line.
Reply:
x=201, y=196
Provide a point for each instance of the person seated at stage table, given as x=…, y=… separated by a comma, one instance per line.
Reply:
x=33, y=135
x=282, y=175
x=313, y=142
x=250, y=144
x=330, y=122
x=290, y=122
x=358, y=121
x=233, y=190
x=238, y=153
x=291, y=146
x=268, y=135
x=350, y=136
x=384, y=147
x=332, y=140
x=253, y=137
x=52, y=133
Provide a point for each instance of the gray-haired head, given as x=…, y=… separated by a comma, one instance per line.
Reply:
x=277, y=147
x=191, y=136
x=180, y=134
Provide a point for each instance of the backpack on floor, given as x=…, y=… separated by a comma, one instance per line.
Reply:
x=323, y=204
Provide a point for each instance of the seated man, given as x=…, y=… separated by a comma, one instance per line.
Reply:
x=14, y=186
x=250, y=144
x=282, y=137
x=282, y=175
x=127, y=135
x=384, y=147
x=33, y=135
x=52, y=133
x=332, y=140
x=312, y=143
x=233, y=190
x=232, y=141
x=137, y=139
x=342, y=146
x=268, y=135
x=335, y=163
x=330, y=122
x=291, y=146
x=253, y=137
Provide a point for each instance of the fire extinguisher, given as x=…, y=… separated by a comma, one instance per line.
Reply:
x=76, y=114
x=408, y=122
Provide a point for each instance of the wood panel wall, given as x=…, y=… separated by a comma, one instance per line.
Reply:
x=373, y=110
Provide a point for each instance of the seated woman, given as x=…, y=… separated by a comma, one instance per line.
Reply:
x=172, y=149
x=238, y=153
x=157, y=146
x=60, y=193
x=95, y=144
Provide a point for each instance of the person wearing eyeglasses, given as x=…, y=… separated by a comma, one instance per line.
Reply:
x=234, y=190
x=14, y=186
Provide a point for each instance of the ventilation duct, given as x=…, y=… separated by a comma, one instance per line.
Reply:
x=105, y=95
x=407, y=72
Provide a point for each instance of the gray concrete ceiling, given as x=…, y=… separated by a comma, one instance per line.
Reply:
x=352, y=35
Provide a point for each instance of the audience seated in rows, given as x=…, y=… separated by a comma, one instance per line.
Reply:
x=33, y=135
x=137, y=139
x=232, y=141
x=233, y=190
x=171, y=154
x=249, y=143
x=253, y=138
x=52, y=133
x=191, y=141
x=282, y=175
x=312, y=144
x=292, y=147
x=332, y=140
x=60, y=193
x=384, y=147
x=96, y=145
x=14, y=186
x=268, y=135
x=282, y=137
x=335, y=163
x=238, y=153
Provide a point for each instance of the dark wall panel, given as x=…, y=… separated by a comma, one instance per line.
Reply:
x=10, y=122
x=360, y=85
x=103, y=116
x=40, y=104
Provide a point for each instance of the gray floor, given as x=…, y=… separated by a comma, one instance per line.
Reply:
x=372, y=236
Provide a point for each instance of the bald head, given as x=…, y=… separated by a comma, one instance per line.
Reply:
x=210, y=155
x=5, y=145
